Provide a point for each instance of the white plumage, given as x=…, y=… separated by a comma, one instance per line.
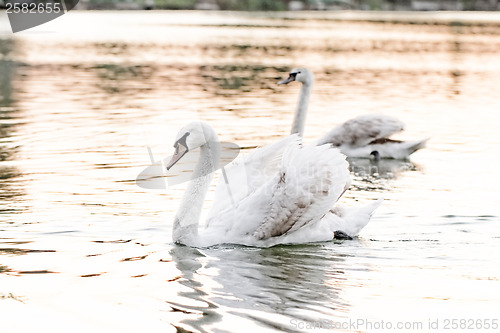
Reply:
x=362, y=130
x=358, y=137
x=283, y=193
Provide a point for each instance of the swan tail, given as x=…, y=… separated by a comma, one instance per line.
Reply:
x=386, y=148
x=309, y=182
x=354, y=219
x=413, y=146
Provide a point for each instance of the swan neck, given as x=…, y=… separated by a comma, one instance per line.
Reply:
x=188, y=215
x=301, y=111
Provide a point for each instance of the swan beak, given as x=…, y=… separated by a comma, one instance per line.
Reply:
x=287, y=80
x=180, y=150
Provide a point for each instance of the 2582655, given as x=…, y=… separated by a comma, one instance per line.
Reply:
x=33, y=8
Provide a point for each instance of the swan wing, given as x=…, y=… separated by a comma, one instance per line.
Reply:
x=309, y=182
x=362, y=130
x=248, y=172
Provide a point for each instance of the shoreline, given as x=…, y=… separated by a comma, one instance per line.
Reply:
x=406, y=17
x=472, y=18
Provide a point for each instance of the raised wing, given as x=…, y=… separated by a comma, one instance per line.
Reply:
x=309, y=182
x=248, y=172
x=362, y=130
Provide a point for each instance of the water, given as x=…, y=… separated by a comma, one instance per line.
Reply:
x=82, y=248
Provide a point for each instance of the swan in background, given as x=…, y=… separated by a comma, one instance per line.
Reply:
x=282, y=193
x=357, y=137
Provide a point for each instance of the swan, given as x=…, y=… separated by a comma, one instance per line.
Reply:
x=357, y=137
x=281, y=193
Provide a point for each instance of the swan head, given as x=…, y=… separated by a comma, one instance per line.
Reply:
x=192, y=136
x=300, y=74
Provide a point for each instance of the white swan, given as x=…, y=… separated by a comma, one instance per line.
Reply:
x=357, y=137
x=282, y=194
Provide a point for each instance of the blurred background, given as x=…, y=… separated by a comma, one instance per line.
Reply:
x=82, y=97
x=296, y=5
x=292, y=5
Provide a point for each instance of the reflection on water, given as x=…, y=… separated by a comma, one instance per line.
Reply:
x=202, y=309
x=254, y=282
x=372, y=175
x=385, y=168
x=8, y=192
x=240, y=78
x=113, y=78
x=78, y=111
x=10, y=189
x=6, y=73
x=6, y=69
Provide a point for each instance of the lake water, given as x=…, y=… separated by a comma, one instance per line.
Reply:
x=83, y=248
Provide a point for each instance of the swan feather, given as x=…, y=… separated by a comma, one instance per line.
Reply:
x=255, y=168
x=363, y=130
x=286, y=200
x=304, y=189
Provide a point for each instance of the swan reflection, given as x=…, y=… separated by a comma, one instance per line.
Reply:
x=301, y=282
x=383, y=168
x=373, y=175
